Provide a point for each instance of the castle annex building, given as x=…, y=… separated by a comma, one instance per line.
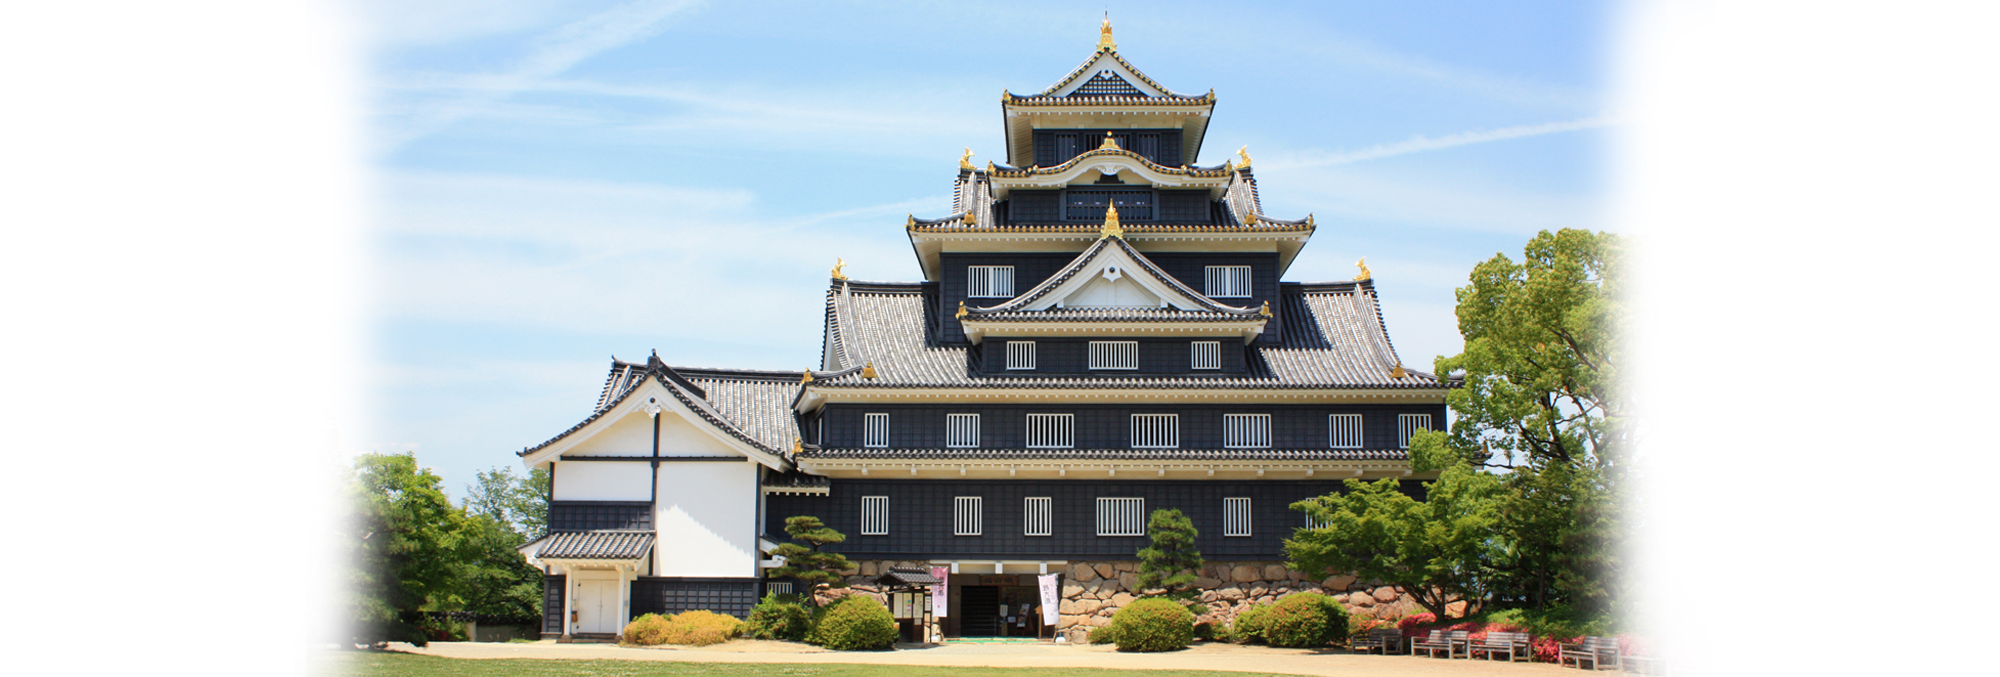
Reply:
x=1103, y=329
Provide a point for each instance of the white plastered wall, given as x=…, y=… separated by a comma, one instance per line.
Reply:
x=631, y=435
x=679, y=437
x=707, y=519
x=603, y=481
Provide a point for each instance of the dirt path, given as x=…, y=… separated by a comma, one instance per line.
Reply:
x=1229, y=657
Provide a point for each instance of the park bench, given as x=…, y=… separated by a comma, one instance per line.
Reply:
x=1502, y=643
x=1440, y=640
x=1600, y=652
x=1386, y=640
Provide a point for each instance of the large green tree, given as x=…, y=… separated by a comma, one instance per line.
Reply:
x=404, y=541
x=1542, y=402
x=807, y=562
x=1171, y=562
x=503, y=511
x=1439, y=549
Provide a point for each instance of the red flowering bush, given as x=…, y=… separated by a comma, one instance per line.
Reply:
x=1425, y=618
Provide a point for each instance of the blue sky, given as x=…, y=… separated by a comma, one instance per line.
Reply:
x=556, y=183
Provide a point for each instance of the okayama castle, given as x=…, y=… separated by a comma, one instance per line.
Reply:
x=1102, y=330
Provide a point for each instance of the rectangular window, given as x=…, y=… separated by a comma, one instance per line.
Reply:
x=1114, y=354
x=874, y=515
x=1207, y=354
x=968, y=515
x=1051, y=431
x=1225, y=281
x=1035, y=516
x=1246, y=431
x=875, y=433
x=1156, y=431
x=961, y=431
x=989, y=282
x=1121, y=517
x=1020, y=354
x=778, y=587
x=1407, y=426
x=1236, y=517
x=1313, y=522
x=1344, y=431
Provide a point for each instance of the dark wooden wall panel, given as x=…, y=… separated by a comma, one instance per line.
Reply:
x=1108, y=426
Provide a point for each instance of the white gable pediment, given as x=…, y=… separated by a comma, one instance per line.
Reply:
x=1104, y=65
x=1114, y=280
x=611, y=434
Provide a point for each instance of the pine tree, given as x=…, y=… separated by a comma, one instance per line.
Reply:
x=809, y=564
x=1171, y=561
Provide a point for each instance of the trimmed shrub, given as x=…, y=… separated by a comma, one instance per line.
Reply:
x=647, y=630
x=1103, y=635
x=1214, y=631
x=1249, y=625
x=856, y=623
x=1152, y=624
x=779, y=618
x=1305, y=620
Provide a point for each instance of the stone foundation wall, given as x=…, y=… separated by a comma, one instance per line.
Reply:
x=1093, y=591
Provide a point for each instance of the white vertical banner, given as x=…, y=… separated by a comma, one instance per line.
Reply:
x=1049, y=602
x=940, y=593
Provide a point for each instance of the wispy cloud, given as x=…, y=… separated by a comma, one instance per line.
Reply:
x=1421, y=143
x=548, y=56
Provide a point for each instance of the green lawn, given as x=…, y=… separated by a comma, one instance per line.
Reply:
x=384, y=664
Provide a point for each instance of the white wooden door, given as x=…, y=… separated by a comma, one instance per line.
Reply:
x=597, y=607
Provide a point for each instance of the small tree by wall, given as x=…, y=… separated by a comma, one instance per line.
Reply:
x=807, y=562
x=1171, y=561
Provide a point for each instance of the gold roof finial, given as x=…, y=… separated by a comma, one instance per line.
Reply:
x=1363, y=265
x=961, y=310
x=1109, y=143
x=912, y=223
x=808, y=378
x=798, y=445
x=1266, y=310
x=1111, y=227
x=868, y=370
x=971, y=218
x=838, y=268
x=1104, y=41
x=1398, y=372
x=965, y=161
x=1242, y=153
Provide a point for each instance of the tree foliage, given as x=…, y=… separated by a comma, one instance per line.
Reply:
x=807, y=562
x=1171, y=561
x=1436, y=549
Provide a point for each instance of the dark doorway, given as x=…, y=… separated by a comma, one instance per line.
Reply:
x=978, y=611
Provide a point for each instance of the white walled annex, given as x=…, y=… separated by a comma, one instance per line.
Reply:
x=630, y=435
x=680, y=437
x=603, y=481
x=706, y=519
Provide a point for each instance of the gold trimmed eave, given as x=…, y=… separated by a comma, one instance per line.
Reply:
x=1026, y=390
x=1100, y=469
x=929, y=239
x=1112, y=160
x=977, y=330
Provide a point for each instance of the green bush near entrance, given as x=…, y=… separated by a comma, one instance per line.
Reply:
x=779, y=618
x=855, y=623
x=1152, y=624
x=1304, y=621
x=1249, y=625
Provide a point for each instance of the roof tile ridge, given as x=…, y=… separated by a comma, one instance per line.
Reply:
x=1061, y=275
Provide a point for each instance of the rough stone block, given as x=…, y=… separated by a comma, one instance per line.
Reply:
x=1245, y=574
x=1386, y=594
x=1082, y=573
x=1337, y=583
x=1275, y=572
x=1361, y=599
x=1105, y=570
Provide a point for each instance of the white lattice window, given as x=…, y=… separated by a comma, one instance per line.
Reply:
x=1020, y=354
x=875, y=431
x=1246, y=431
x=1236, y=517
x=1407, y=426
x=874, y=515
x=1114, y=354
x=989, y=282
x=961, y=431
x=1156, y=431
x=1207, y=354
x=1344, y=431
x=1314, y=522
x=968, y=515
x=1051, y=431
x=1226, y=281
x=778, y=587
x=1037, y=514
x=1121, y=517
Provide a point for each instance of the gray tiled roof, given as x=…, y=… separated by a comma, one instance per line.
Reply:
x=595, y=545
x=1010, y=309
x=1116, y=454
x=1332, y=337
x=752, y=406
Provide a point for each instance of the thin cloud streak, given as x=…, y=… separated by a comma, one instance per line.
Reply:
x=551, y=55
x=1421, y=143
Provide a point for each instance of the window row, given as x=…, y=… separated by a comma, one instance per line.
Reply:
x=1116, y=355
x=1149, y=431
x=1115, y=516
x=997, y=282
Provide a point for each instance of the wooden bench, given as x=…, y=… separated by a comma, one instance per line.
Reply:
x=1439, y=640
x=1600, y=652
x=1502, y=643
x=1388, y=641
